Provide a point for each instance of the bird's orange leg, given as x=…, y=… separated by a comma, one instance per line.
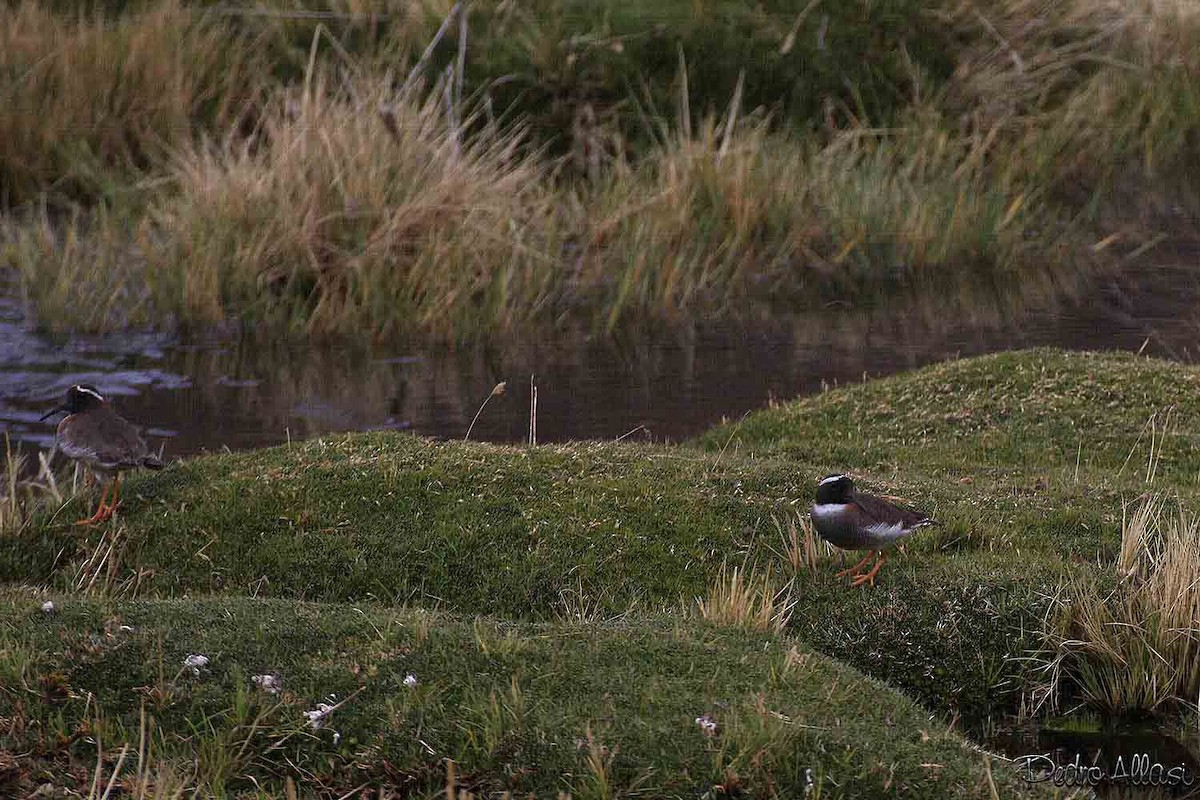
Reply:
x=107, y=512
x=854, y=570
x=870, y=576
x=94, y=518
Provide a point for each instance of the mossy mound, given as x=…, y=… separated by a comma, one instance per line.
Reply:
x=533, y=707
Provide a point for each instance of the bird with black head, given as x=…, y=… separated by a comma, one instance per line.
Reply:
x=854, y=520
x=96, y=436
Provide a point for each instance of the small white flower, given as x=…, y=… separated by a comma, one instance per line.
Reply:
x=268, y=683
x=410, y=680
x=337, y=737
x=195, y=662
x=707, y=724
x=317, y=717
x=48, y=607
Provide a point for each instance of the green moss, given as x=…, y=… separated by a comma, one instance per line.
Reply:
x=1039, y=411
x=512, y=704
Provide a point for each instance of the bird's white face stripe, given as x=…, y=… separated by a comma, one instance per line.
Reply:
x=85, y=390
x=831, y=479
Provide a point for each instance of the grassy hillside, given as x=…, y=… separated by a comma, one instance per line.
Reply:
x=1090, y=415
x=571, y=573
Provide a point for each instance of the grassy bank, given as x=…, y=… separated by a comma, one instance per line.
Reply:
x=351, y=221
x=388, y=547
x=351, y=170
x=597, y=710
x=539, y=534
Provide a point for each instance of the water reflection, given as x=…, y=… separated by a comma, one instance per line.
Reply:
x=667, y=386
x=1114, y=761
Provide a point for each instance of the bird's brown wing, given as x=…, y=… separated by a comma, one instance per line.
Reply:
x=102, y=438
x=881, y=511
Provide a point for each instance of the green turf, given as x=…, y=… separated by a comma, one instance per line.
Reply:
x=1037, y=412
x=1027, y=459
x=512, y=704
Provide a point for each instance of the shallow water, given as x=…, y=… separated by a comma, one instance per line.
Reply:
x=1116, y=762
x=208, y=395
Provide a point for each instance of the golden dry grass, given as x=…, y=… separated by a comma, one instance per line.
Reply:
x=748, y=599
x=88, y=98
x=355, y=210
x=1135, y=647
x=313, y=187
x=22, y=492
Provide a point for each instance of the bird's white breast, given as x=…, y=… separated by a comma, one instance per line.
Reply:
x=828, y=510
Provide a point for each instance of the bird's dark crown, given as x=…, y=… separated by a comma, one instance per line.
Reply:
x=80, y=397
x=834, y=489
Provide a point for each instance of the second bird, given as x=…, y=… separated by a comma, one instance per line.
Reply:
x=852, y=520
x=95, y=435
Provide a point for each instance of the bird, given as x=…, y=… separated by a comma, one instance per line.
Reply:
x=852, y=520
x=95, y=435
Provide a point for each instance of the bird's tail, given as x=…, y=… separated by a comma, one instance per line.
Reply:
x=153, y=462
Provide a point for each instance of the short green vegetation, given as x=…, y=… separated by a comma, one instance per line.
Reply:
x=598, y=709
x=545, y=599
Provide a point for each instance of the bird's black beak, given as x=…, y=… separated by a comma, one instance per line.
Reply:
x=52, y=412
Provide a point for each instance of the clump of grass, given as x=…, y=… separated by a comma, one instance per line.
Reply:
x=1136, y=647
x=82, y=270
x=22, y=493
x=88, y=99
x=360, y=209
x=747, y=599
x=802, y=548
x=727, y=212
x=1095, y=93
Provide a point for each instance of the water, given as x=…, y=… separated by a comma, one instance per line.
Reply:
x=208, y=395
x=1116, y=761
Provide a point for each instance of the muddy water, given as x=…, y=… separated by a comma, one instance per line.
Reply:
x=208, y=395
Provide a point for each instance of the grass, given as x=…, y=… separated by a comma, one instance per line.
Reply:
x=565, y=65
x=91, y=102
x=1096, y=419
x=595, y=710
x=638, y=552
x=726, y=216
x=345, y=219
x=350, y=222
x=1134, y=648
x=23, y=493
x=588, y=165
x=747, y=599
x=1101, y=96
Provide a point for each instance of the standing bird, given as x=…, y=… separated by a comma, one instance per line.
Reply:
x=852, y=520
x=92, y=433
